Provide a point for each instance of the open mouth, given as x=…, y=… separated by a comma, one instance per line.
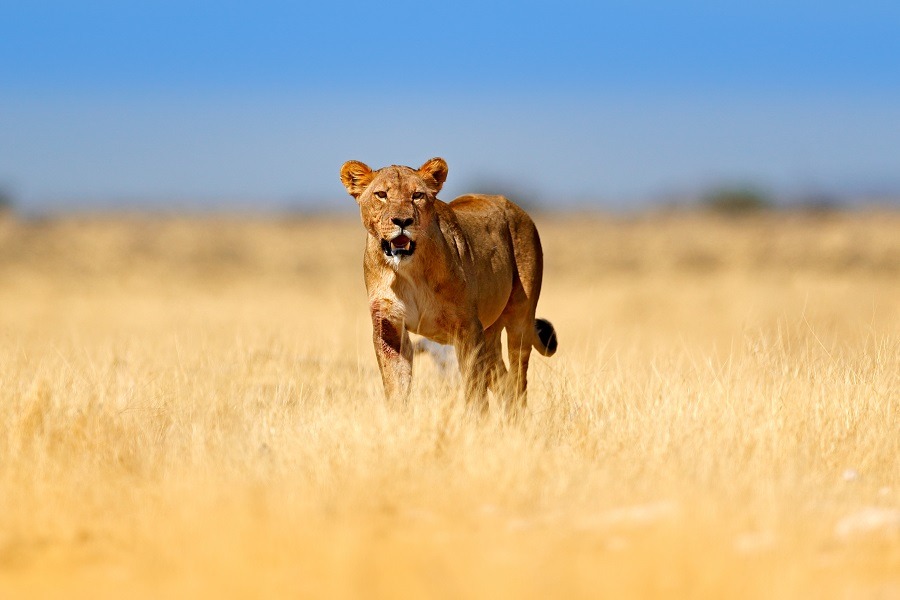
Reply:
x=399, y=246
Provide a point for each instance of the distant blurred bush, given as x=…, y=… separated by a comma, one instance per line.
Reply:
x=736, y=200
x=818, y=203
x=6, y=201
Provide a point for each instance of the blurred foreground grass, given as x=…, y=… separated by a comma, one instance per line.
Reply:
x=190, y=406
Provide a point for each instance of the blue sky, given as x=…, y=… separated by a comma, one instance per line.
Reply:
x=225, y=103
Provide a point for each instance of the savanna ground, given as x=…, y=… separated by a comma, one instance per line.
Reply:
x=191, y=407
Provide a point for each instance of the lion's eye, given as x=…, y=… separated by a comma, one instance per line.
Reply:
x=418, y=195
x=381, y=195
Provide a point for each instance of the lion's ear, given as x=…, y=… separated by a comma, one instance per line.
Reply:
x=356, y=176
x=435, y=170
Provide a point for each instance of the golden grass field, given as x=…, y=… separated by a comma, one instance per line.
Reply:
x=190, y=407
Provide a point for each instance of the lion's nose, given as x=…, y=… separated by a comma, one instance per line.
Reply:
x=402, y=223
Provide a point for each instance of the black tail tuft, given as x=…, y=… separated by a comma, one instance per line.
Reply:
x=546, y=335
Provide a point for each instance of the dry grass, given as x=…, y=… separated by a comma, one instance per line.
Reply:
x=191, y=407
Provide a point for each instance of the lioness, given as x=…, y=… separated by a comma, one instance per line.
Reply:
x=456, y=273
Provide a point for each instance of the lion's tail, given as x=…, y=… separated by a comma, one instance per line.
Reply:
x=545, y=338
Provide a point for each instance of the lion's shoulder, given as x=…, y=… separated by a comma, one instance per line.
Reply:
x=480, y=213
x=474, y=203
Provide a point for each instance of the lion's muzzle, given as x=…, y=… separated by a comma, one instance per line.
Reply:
x=398, y=246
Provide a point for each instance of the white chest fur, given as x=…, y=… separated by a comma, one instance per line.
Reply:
x=422, y=313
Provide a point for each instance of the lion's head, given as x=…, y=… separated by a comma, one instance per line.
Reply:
x=396, y=203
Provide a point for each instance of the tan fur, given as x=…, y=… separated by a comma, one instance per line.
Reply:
x=475, y=270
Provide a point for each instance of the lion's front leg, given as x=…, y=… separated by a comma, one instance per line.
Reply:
x=474, y=364
x=394, y=352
